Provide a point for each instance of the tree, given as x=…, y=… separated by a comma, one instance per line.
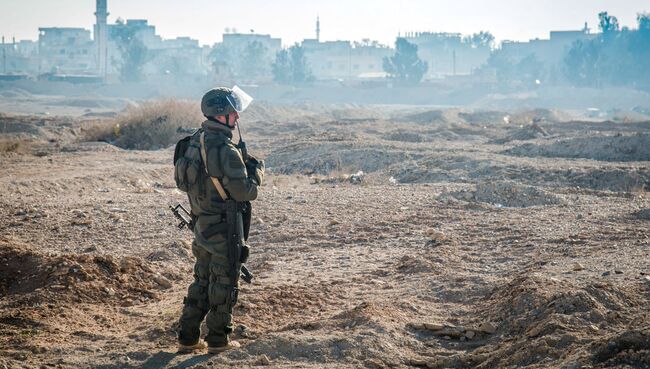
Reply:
x=405, y=66
x=254, y=61
x=529, y=70
x=222, y=59
x=617, y=57
x=643, y=20
x=607, y=23
x=300, y=71
x=581, y=63
x=291, y=66
x=479, y=40
x=281, y=68
x=133, y=51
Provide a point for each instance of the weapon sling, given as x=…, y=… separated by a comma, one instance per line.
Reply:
x=215, y=180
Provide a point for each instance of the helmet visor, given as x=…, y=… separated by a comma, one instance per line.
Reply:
x=239, y=99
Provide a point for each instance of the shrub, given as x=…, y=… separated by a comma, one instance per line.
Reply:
x=150, y=125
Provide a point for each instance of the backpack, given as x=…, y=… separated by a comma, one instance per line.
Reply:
x=187, y=164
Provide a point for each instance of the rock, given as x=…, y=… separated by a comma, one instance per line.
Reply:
x=578, y=267
x=647, y=278
x=433, y=326
x=618, y=271
x=449, y=332
x=334, y=222
x=417, y=325
x=357, y=177
x=470, y=334
x=605, y=274
x=436, y=235
x=263, y=360
x=109, y=291
x=162, y=281
x=487, y=327
x=118, y=210
x=417, y=362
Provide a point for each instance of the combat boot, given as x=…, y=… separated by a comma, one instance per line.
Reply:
x=186, y=349
x=219, y=349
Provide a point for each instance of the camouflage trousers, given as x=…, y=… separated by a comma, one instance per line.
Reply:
x=207, y=296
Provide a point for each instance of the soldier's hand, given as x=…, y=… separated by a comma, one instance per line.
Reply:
x=251, y=159
x=259, y=172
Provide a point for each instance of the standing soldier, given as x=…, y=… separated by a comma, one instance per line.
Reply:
x=220, y=179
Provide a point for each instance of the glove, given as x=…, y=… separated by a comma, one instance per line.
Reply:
x=255, y=169
x=259, y=172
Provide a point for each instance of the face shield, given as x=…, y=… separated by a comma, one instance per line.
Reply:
x=239, y=99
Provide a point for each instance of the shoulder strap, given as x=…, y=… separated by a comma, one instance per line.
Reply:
x=215, y=180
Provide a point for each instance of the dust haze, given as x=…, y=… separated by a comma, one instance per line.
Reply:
x=441, y=202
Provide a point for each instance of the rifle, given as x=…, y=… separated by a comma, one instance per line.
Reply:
x=186, y=220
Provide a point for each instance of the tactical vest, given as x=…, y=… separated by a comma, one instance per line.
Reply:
x=190, y=174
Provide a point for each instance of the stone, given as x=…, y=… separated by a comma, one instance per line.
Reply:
x=470, y=334
x=578, y=267
x=162, y=281
x=264, y=360
x=417, y=362
x=449, y=332
x=487, y=327
x=433, y=326
x=618, y=271
x=605, y=274
x=417, y=325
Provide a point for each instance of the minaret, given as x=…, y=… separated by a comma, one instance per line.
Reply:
x=317, y=29
x=101, y=37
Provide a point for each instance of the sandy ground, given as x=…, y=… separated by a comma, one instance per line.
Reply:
x=469, y=240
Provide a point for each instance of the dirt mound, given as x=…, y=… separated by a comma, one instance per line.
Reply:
x=538, y=115
x=643, y=214
x=433, y=116
x=31, y=277
x=548, y=321
x=412, y=265
x=284, y=308
x=404, y=136
x=614, y=179
x=325, y=157
x=609, y=148
x=529, y=132
x=362, y=344
x=505, y=193
x=21, y=126
x=328, y=350
x=483, y=117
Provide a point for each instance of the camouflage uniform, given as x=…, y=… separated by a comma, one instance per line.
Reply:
x=208, y=296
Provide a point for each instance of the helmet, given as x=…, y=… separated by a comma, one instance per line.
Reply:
x=223, y=101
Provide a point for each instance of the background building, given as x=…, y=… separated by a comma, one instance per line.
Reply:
x=66, y=50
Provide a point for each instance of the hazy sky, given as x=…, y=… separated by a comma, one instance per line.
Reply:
x=293, y=20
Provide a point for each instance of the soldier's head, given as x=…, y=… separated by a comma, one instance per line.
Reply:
x=223, y=105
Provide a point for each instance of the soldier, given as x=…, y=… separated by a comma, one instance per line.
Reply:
x=220, y=181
